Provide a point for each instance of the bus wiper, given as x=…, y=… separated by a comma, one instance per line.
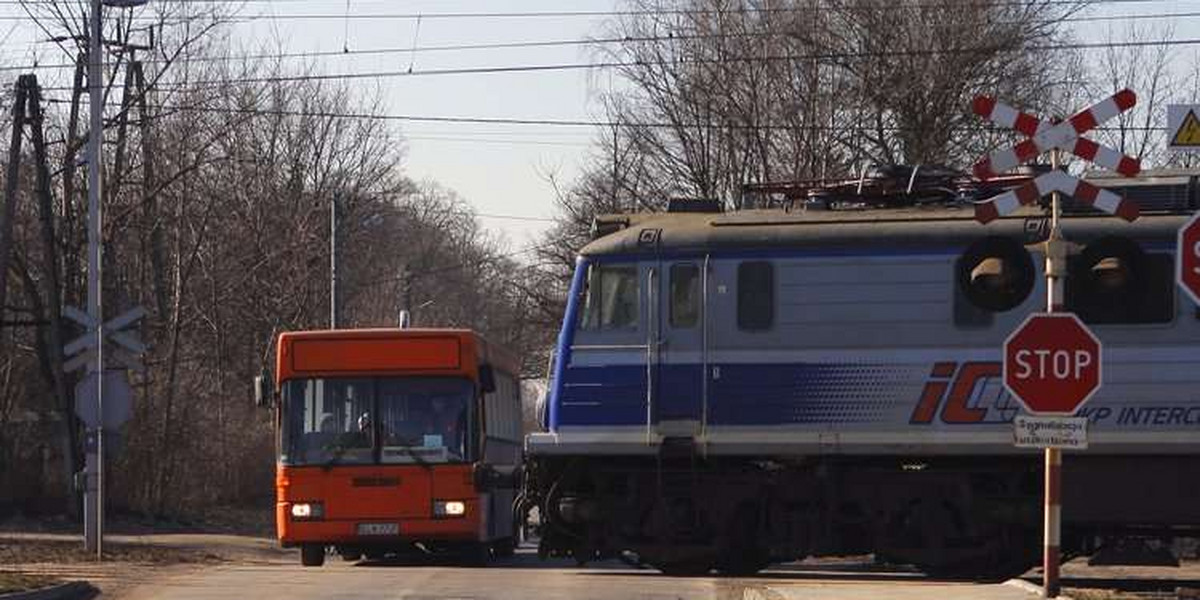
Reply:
x=338, y=452
x=416, y=457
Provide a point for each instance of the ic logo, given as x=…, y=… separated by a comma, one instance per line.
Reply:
x=956, y=406
x=649, y=237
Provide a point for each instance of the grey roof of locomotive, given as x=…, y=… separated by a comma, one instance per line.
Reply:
x=684, y=232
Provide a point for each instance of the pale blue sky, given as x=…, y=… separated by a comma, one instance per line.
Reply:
x=500, y=169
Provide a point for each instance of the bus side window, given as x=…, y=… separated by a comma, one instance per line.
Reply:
x=755, y=295
x=685, y=295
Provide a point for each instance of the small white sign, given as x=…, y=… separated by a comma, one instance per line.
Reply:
x=1050, y=432
x=1183, y=127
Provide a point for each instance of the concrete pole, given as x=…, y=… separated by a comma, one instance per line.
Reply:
x=1056, y=262
x=333, y=267
x=94, y=470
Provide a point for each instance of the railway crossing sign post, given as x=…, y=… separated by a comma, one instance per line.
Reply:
x=103, y=400
x=1052, y=362
x=1187, y=270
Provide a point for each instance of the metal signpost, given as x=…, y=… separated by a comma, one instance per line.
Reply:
x=1052, y=362
x=92, y=343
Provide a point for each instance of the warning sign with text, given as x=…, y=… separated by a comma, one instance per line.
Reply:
x=1050, y=432
x=1183, y=127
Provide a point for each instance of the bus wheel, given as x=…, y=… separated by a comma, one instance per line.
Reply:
x=477, y=554
x=505, y=548
x=312, y=555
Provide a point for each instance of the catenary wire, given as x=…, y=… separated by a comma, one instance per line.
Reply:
x=347, y=52
x=624, y=64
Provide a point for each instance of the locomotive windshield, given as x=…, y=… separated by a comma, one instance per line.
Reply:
x=377, y=420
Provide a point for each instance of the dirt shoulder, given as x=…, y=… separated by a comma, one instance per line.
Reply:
x=30, y=560
x=21, y=582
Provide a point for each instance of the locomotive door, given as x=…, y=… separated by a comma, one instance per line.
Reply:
x=678, y=386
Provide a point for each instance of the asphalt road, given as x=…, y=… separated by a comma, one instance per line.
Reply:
x=524, y=577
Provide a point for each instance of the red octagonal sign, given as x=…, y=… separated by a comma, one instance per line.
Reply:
x=1052, y=364
x=1188, y=269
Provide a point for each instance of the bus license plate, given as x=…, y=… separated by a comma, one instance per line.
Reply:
x=378, y=529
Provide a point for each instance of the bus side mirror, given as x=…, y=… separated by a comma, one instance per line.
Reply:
x=264, y=392
x=487, y=379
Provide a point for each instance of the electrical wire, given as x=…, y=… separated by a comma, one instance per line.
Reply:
x=547, y=122
x=347, y=52
x=559, y=14
x=635, y=63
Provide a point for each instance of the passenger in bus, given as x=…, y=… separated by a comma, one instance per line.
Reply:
x=450, y=424
x=328, y=424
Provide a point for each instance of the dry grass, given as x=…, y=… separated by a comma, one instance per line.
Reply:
x=14, y=551
x=19, y=582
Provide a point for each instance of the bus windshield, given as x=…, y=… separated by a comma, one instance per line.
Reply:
x=377, y=420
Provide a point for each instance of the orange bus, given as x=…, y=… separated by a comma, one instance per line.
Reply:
x=395, y=440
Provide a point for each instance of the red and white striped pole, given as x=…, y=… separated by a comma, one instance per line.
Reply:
x=1053, y=523
x=1056, y=262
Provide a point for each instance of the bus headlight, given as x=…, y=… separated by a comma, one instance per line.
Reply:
x=449, y=508
x=307, y=511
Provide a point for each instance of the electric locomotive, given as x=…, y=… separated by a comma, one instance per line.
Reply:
x=735, y=389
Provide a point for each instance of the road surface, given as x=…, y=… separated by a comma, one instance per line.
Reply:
x=524, y=577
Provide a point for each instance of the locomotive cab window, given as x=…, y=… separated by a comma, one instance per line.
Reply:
x=611, y=300
x=685, y=295
x=755, y=295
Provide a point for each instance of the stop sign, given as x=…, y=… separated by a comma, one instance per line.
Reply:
x=1187, y=271
x=1052, y=363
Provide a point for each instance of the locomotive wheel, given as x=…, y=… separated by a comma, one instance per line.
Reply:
x=742, y=566
x=742, y=554
x=684, y=568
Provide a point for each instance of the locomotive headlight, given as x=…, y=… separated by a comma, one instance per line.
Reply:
x=449, y=508
x=307, y=511
x=995, y=273
x=1111, y=273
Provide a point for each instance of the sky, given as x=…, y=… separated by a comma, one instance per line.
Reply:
x=504, y=171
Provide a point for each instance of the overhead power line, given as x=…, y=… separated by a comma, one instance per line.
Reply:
x=625, y=63
x=559, y=14
x=346, y=52
x=530, y=121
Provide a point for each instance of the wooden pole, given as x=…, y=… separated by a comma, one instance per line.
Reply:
x=9, y=209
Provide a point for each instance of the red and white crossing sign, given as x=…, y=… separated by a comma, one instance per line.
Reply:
x=1052, y=364
x=1187, y=265
x=1043, y=136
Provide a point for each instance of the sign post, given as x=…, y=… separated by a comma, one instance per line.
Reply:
x=102, y=401
x=1052, y=362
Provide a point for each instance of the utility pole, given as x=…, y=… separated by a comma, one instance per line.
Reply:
x=93, y=496
x=8, y=209
x=333, y=255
